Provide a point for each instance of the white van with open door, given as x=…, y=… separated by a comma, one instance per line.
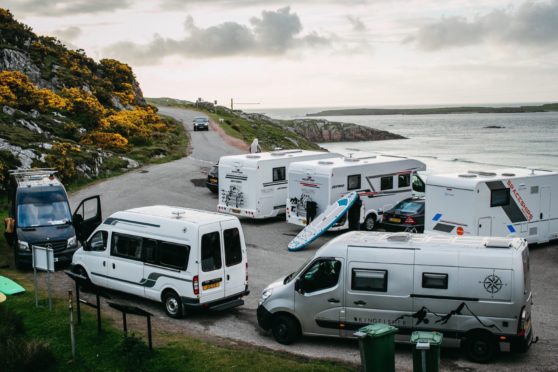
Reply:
x=184, y=258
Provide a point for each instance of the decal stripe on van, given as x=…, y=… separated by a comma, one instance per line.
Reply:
x=512, y=210
x=148, y=283
x=114, y=221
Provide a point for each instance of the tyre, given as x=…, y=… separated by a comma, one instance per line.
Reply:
x=285, y=329
x=87, y=286
x=173, y=304
x=370, y=222
x=195, y=129
x=480, y=347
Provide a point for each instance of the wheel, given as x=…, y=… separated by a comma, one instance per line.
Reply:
x=87, y=286
x=173, y=304
x=480, y=347
x=285, y=329
x=370, y=222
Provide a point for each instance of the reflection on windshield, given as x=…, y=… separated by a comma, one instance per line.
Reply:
x=43, y=209
x=408, y=207
x=295, y=274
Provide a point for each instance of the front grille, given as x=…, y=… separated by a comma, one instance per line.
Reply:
x=57, y=245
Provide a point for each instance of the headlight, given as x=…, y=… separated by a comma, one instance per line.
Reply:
x=23, y=246
x=265, y=295
x=72, y=242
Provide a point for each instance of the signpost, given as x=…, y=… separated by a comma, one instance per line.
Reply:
x=43, y=260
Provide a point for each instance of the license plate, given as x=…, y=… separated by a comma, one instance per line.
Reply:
x=213, y=179
x=234, y=210
x=394, y=219
x=211, y=286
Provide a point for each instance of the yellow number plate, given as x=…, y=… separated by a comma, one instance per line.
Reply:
x=234, y=210
x=213, y=179
x=212, y=285
x=395, y=220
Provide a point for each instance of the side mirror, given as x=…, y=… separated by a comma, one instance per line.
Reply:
x=298, y=285
x=86, y=245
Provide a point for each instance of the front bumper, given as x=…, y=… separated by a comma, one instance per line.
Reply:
x=264, y=318
x=218, y=305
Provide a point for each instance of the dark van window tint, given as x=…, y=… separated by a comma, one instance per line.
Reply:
x=279, y=174
x=211, y=251
x=353, y=182
x=418, y=184
x=150, y=250
x=403, y=180
x=500, y=197
x=126, y=246
x=173, y=255
x=98, y=242
x=369, y=280
x=233, y=247
x=386, y=183
x=322, y=274
x=435, y=280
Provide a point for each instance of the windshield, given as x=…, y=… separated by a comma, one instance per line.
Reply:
x=201, y=120
x=409, y=206
x=42, y=208
x=295, y=274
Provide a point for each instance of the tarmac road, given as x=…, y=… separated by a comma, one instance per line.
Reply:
x=182, y=183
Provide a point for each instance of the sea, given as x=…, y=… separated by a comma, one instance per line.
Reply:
x=454, y=142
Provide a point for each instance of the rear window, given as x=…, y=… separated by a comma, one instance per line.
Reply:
x=233, y=247
x=211, y=251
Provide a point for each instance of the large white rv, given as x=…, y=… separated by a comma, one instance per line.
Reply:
x=255, y=185
x=506, y=202
x=475, y=290
x=380, y=180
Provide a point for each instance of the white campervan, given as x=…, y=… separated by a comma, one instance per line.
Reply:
x=474, y=290
x=255, y=185
x=505, y=202
x=185, y=258
x=380, y=180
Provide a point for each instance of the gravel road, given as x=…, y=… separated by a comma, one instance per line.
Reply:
x=181, y=183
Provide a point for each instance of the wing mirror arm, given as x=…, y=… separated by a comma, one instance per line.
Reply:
x=298, y=286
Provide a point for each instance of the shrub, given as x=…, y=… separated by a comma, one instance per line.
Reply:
x=62, y=159
x=109, y=141
x=134, y=352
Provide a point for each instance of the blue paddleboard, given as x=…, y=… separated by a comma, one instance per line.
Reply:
x=323, y=222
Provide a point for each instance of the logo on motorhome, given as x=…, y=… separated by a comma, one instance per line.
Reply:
x=309, y=182
x=520, y=200
x=492, y=283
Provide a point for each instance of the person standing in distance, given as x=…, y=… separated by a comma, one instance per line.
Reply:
x=255, y=146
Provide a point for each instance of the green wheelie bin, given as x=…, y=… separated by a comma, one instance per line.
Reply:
x=426, y=351
x=377, y=347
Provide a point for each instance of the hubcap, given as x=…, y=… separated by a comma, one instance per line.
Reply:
x=480, y=348
x=172, y=305
x=369, y=224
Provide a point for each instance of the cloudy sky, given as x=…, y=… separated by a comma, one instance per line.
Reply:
x=312, y=53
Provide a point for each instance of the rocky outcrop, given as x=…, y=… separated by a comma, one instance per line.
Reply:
x=15, y=60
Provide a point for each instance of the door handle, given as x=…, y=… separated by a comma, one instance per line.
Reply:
x=333, y=301
x=113, y=266
x=359, y=303
x=541, y=216
x=228, y=277
x=104, y=263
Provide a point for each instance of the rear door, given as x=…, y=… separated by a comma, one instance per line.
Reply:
x=544, y=214
x=235, y=258
x=212, y=271
x=87, y=217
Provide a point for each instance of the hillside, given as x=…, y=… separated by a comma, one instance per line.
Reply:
x=61, y=109
x=439, y=110
x=273, y=133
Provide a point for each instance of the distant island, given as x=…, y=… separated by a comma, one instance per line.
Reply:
x=438, y=110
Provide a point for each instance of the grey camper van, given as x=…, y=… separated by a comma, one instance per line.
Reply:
x=39, y=215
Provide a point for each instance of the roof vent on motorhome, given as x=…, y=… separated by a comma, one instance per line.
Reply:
x=508, y=174
x=497, y=243
x=253, y=156
x=284, y=152
x=483, y=174
x=399, y=237
x=353, y=160
x=178, y=214
x=325, y=162
x=468, y=175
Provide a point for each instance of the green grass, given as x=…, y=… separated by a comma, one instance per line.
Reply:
x=172, y=352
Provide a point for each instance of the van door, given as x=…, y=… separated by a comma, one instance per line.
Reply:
x=212, y=272
x=319, y=296
x=125, y=265
x=95, y=257
x=87, y=217
x=544, y=215
x=235, y=258
x=485, y=226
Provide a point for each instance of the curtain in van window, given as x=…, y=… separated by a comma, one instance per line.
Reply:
x=211, y=251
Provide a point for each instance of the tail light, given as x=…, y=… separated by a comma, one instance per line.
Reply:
x=522, y=323
x=196, y=285
x=410, y=221
x=246, y=271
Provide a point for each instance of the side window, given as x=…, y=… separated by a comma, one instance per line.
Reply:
x=353, y=182
x=150, y=250
x=233, y=247
x=403, y=180
x=435, y=280
x=98, y=242
x=322, y=274
x=500, y=197
x=418, y=184
x=173, y=255
x=386, y=183
x=279, y=174
x=369, y=280
x=211, y=251
x=126, y=246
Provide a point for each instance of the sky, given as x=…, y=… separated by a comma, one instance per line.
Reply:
x=310, y=53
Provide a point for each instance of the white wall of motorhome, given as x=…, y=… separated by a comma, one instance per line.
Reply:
x=505, y=202
x=469, y=288
x=255, y=185
x=380, y=180
x=182, y=257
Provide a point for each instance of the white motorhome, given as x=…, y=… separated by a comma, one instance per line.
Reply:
x=475, y=290
x=184, y=258
x=255, y=185
x=380, y=180
x=505, y=202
